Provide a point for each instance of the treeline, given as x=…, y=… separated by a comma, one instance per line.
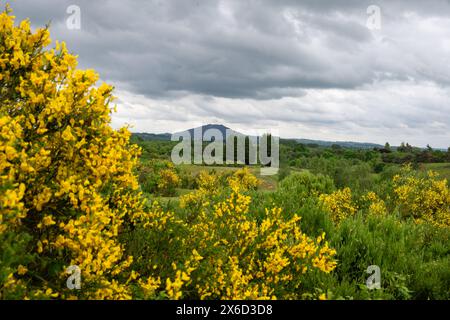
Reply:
x=406, y=153
x=292, y=153
x=248, y=153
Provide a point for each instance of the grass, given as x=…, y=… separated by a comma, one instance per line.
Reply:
x=442, y=168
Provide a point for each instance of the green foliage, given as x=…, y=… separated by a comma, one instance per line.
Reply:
x=14, y=253
x=304, y=184
x=356, y=174
x=159, y=177
x=414, y=259
x=405, y=252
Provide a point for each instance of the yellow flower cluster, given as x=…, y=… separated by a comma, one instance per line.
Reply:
x=376, y=206
x=182, y=277
x=207, y=181
x=249, y=258
x=339, y=204
x=243, y=179
x=12, y=192
x=66, y=176
x=207, y=187
x=149, y=286
x=426, y=199
x=168, y=180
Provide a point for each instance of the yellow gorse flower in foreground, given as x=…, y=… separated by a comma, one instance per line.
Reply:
x=66, y=176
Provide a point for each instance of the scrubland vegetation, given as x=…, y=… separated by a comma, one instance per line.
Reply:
x=76, y=192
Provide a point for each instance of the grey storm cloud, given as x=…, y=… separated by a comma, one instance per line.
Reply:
x=311, y=64
x=238, y=49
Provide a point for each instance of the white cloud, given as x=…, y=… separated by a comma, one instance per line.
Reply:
x=310, y=68
x=387, y=111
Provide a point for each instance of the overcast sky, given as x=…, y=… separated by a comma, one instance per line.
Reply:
x=311, y=69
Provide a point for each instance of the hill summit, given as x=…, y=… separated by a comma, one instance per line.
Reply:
x=224, y=130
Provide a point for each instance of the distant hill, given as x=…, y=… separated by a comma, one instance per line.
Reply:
x=153, y=136
x=345, y=144
x=223, y=129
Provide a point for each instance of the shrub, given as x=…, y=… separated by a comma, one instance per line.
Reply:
x=423, y=198
x=413, y=259
x=223, y=249
x=67, y=185
x=159, y=177
x=339, y=204
x=302, y=185
x=242, y=179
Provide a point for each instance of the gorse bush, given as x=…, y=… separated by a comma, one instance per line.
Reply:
x=69, y=197
x=373, y=204
x=340, y=204
x=413, y=259
x=423, y=198
x=158, y=177
x=67, y=185
x=235, y=254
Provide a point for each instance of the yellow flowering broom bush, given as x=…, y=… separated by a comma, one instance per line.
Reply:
x=426, y=199
x=339, y=204
x=224, y=251
x=158, y=177
x=67, y=185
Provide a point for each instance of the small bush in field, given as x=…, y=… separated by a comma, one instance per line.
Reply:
x=69, y=196
x=168, y=182
x=340, y=204
x=373, y=204
x=243, y=179
x=159, y=177
x=303, y=185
